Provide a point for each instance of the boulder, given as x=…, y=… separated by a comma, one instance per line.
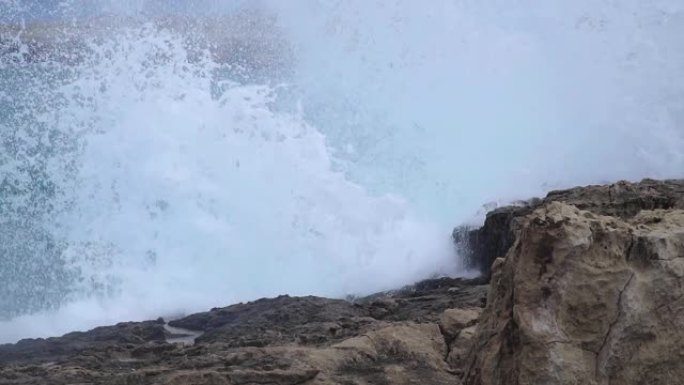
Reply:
x=460, y=346
x=455, y=320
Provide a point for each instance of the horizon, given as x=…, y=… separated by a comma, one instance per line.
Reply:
x=18, y=11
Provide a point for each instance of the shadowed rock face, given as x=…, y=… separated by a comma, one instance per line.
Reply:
x=480, y=247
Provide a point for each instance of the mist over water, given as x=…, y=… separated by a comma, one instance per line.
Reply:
x=172, y=157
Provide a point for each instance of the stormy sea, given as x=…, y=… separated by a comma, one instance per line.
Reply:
x=159, y=158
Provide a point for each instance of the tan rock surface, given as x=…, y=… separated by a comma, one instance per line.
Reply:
x=455, y=320
x=481, y=246
x=582, y=298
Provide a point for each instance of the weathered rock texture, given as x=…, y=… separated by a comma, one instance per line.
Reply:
x=587, y=287
x=480, y=247
x=583, y=298
x=401, y=337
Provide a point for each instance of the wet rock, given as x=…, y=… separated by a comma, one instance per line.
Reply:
x=426, y=300
x=127, y=334
x=387, y=338
x=305, y=320
x=480, y=246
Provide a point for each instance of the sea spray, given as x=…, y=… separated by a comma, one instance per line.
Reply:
x=154, y=163
x=192, y=190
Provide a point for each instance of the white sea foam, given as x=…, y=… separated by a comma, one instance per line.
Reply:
x=198, y=186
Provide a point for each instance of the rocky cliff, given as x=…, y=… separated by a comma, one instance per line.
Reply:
x=589, y=292
x=587, y=287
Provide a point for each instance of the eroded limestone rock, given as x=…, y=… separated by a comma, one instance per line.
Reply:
x=582, y=298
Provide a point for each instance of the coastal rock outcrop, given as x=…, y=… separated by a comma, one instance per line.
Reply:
x=585, y=298
x=585, y=286
x=481, y=246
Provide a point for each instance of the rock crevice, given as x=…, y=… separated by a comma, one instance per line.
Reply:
x=600, y=355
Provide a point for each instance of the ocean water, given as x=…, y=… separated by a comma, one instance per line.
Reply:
x=171, y=157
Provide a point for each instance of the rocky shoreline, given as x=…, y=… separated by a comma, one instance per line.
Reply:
x=584, y=286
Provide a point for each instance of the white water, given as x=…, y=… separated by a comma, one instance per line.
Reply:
x=397, y=122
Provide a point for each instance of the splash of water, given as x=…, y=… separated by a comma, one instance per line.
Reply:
x=322, y=147
x=456, y=102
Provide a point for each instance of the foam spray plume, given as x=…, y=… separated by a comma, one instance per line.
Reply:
x=166, y=158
